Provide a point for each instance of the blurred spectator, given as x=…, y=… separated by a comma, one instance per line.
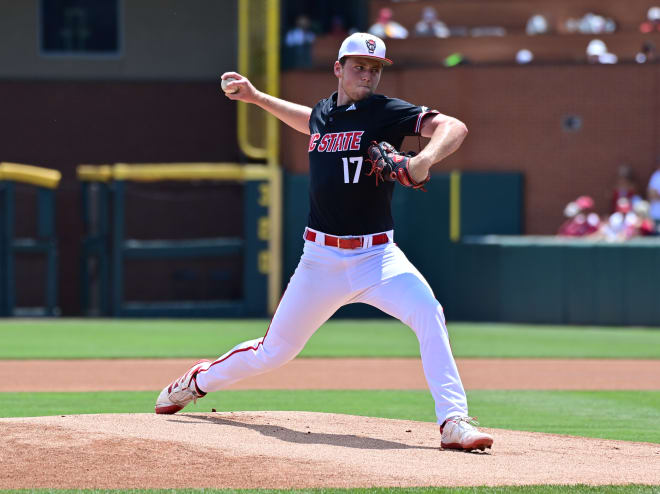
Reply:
x=570, y=211
x=458, y=31
x=385, y=27
x=646, y=53
x=338, y=27
x=430, y=25
x=298, y=44
x=301, y=34
x=645, y=225
x=622, y=224
x=597, y=53
x=488, y=31
x=625, y=187
x=652, y=22
x=524, y=57
x=537, y=24
x=591, y=23
x=581, y=218
x=654, y=194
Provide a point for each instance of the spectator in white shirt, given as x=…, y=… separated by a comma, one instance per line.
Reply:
x=597, y=53
x=654, y=194
x=301, y=34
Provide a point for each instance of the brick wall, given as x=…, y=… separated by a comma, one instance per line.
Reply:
x=63, y=124
x=515, y=119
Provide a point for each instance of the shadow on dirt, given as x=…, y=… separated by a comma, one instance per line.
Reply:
x=307, y=437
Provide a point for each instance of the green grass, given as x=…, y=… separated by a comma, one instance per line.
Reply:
x=625, y=415
x=531, y=489
x=99, y=338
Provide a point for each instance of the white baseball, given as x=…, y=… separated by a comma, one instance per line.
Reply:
x=226, y=81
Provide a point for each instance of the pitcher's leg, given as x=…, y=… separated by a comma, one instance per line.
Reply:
x=306, y=304
x=409, y=298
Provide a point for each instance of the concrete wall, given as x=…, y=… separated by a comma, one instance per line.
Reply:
x=172, y=40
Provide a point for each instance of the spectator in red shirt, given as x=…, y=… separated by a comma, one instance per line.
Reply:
x=645, y=225
x=652, y=22
x=582, y=220
x=386, y=27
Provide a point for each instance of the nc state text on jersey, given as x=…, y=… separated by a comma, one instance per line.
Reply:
x=336, y=141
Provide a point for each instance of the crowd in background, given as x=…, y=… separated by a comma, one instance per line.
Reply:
x=630, y=214
x=590, y=23
x=538, y=24
x=299, y=39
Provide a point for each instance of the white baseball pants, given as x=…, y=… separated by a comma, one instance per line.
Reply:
x=326, y=279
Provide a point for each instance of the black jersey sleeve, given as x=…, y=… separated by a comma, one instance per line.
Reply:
x=402, y=118
x=314, y=116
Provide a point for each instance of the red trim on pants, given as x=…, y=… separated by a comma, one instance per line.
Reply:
x=255, y=348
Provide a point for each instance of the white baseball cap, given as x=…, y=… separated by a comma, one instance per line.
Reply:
x=596, y=47
x=364, y=45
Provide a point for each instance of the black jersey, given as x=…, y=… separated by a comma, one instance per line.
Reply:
x=343, y=200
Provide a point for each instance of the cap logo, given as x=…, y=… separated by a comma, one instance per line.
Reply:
x=371, y=46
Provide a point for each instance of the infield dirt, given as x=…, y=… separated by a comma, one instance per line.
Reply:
x=295, y=449
x=303, y=449
x=120, y=375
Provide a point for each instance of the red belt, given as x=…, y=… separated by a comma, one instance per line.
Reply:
x=348, y=243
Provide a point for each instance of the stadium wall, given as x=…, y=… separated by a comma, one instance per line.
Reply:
x=159, y=103
x=515, y=117
x=63, y=124
x=180, y=41
x=156, y=100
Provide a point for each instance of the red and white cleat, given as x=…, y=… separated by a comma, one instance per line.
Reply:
x=460, y=433
x=182, y=391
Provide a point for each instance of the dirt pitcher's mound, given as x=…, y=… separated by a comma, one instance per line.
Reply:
x=294, y=449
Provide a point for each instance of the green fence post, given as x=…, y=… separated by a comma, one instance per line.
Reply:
x=117, y=250
x=103, y=201
x=3, y=249
x=6, y=249
x=295, y=210
x=85, y=248
x=45, y=213
x=51, y=280
x=255, y=261
x=95, y=203
x=46, y=233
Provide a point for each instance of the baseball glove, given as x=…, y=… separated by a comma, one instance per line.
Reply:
x=389, y=164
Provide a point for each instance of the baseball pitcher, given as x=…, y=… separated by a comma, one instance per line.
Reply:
x=349, y=253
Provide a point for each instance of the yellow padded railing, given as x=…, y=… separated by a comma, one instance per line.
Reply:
x=148, y=172
x=34, y=175
x=94, y=173
x=455, y=206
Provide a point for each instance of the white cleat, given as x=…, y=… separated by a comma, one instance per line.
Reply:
x=182, y=391
x=460, y=433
